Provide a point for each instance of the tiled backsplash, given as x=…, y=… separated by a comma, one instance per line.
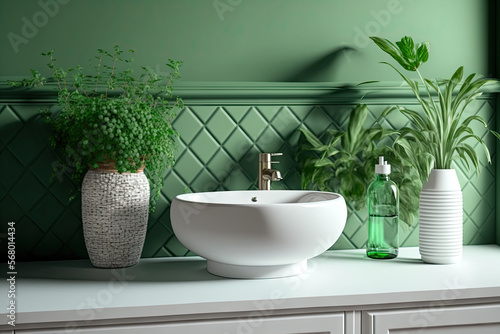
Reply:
x=218, y=150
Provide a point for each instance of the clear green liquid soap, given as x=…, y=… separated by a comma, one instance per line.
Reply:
x=383, y=213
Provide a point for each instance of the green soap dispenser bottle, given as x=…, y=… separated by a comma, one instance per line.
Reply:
x=383, y=213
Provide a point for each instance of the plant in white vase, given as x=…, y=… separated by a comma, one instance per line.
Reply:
x=437, y=137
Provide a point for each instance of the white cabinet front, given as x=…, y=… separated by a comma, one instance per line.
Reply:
x=253, y=324
x=479, y=319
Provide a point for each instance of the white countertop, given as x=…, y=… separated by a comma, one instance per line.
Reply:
x=75, y=291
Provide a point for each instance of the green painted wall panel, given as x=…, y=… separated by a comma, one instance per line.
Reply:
x=246, y=40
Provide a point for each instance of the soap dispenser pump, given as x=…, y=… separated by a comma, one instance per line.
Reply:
x=383, y=214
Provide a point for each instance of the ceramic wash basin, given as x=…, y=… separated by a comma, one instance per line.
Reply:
x=258, y=234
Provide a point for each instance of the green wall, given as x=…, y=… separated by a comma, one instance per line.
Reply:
x=246, y=40
x=278, y=51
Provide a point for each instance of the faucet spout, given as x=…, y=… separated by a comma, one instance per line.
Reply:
x=266, y=173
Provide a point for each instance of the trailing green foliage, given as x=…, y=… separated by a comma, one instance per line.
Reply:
x=442, y=134
x=113, y=116
x=345, y=163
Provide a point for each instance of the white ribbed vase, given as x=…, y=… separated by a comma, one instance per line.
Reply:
x=115, y=216
x=441, y=218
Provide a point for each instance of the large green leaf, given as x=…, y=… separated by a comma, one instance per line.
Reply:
x=423, y=53
x=355, y=126
x=391, y=49
x=311, y=138
x=407, y=48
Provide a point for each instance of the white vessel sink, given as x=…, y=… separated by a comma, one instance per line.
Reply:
x=258, y=234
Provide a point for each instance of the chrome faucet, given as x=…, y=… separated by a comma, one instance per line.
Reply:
x=266, y=173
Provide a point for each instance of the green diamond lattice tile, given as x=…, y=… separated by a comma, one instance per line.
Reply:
x=162, y=205
x=67, y=225
x=359, y=237
x=43, y=217
x=343, y=243
x=10, y=166
x=237, y=112
x=481, y=214
x=64, y=252
x=155, y=239
x=354, y=223
x=27, y=113
x=42, y=167
x=204, y=145
x=217, y=150
x=28, y=191
x=3, y=192
x=48, y=246
x=202, y=112
x=268, y=112
x=205, y=181
x=10, y=210
x=318, y=121
x=285, y=123
x=27, y=233
x=26, y=147
x=238, y=180
x=187, y=124
x=77, y=244
x=238, y=144
x=221, y=164
x=249, y=162
x=300, y=112
x=10, y=124
x=173, y=185
x=61, y=189
x=489, y=195
x=253, y=123
x=175, y=248
x=188, y=166
x=470, y=231
x=220, y=125
x=270, y=141
x=408, y=236
x=180, y=148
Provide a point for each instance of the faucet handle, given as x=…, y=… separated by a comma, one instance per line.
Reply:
x=266, y=157
x=275, y=162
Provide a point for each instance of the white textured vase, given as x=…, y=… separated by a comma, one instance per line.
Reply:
x=441, y=218
x=115, y=215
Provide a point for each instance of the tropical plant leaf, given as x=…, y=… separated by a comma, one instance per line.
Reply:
x=392, y=50
x=311, y=138
x=432, y=85
x=496, y=134
x=423, y=53
x=407, y=48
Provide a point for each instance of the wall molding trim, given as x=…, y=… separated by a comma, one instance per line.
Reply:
x=257, y=93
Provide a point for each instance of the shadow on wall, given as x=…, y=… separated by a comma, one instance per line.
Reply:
x=321, y=69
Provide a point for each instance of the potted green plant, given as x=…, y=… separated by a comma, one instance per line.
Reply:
x=343, y=161
x=113, y=131
x=439, y=135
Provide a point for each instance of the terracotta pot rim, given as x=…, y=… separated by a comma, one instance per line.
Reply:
x=109, y=167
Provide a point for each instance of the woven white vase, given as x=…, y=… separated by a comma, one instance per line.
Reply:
x=115, y=215
x=441, y=218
